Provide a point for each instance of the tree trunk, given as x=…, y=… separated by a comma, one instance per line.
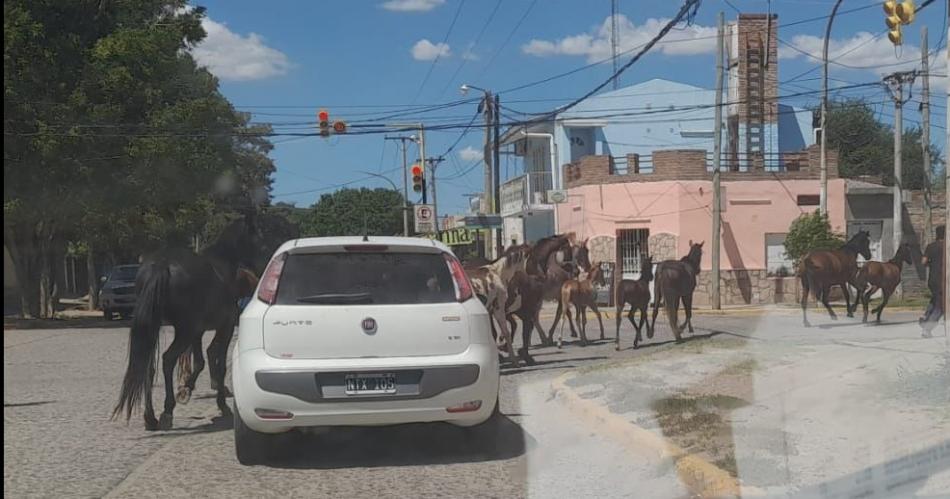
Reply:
x=20, y=243
x=92, y=278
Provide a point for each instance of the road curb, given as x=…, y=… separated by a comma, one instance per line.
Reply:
x=701, y=477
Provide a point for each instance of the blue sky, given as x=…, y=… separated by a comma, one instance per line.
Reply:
x=364, y=59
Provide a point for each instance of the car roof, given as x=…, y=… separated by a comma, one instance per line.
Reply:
x=408, y=243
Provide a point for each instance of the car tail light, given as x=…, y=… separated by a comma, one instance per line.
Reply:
x=463, y=288
x=273, y=414
x=267, y=292
x=470, y=406
x=366, y=248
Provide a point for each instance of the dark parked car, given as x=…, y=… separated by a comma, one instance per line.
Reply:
x=118, y=292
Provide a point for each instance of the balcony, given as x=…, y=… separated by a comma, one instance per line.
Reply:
x=525, y=193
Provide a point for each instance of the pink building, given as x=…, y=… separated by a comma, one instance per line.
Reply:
x=632, y=214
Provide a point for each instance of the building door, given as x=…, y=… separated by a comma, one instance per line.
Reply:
x=632, y=246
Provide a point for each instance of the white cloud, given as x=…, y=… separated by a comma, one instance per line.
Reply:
x=412, y=5
x=595, y=45
x=470, y=154
x=862, y=51
x=233, y=57
x=424, y=50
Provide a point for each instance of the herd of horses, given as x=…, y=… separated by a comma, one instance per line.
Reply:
x=199, y=292
x=558, y=268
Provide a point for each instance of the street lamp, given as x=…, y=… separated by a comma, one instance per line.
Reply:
x=823, y=197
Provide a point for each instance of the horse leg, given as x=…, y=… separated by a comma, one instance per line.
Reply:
x=151, y=424
x=506, y=334
x=825, y=293
x=581, y=316
x=656, y=310
x=846, y=289
x=880, y=308
x=169, y=359
x=866, y=301
x=688, y=307
x=219, y=348
x=188, y=386
x=557, y=318
x=806, y=285
x=527, y=325
x=536, y=320
x=600, y=319
x=620, y=305
x=570, y=322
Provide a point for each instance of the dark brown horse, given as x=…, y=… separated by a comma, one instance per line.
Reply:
x=885, y=276
x=525, y=298
x=819, y=270
x=675, y=282
x=637, y=295
x=576, y=258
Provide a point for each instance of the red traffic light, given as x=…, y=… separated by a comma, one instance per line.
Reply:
x=323, y=115
x=416, y=171
x=418, y=181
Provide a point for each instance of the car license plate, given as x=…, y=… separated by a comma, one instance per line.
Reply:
x=370, y=384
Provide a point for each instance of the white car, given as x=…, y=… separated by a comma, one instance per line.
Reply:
x=361, y=331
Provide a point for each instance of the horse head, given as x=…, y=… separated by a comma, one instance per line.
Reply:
x=904, y=254
x=646, y=268
x=860, y=244
x=695, y=255
x=582, y=255
x=596, y=275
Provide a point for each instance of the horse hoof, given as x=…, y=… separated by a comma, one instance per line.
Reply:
x=165, y=422
x=184, y=395
x=151, y=424
x=226, y=411
x=227, y=392
x=528, y=360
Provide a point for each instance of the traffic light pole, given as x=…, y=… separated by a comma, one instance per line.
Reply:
x=823, y=196
x=925, y=133
x=433, y=163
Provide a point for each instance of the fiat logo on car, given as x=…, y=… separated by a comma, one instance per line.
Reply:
x=369, y=325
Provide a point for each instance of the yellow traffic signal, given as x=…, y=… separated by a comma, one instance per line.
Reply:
x=898, y=14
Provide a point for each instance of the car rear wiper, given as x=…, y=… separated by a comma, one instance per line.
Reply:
x=337, y=298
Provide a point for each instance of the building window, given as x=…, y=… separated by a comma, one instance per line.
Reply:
x=632, y=245
x=809, y=200
x=777, y=263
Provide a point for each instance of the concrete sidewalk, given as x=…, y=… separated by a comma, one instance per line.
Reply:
x=794, y=413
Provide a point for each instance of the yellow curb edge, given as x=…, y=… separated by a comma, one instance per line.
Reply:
x=698, y=475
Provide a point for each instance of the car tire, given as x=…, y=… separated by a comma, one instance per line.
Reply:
x=251, y=447
x=108, y=314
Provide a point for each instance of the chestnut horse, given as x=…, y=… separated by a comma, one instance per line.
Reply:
x=821, y=269
x=881, y=275
x=525, y=298
x=675, y=282
x=637, y=294
x=581, y=294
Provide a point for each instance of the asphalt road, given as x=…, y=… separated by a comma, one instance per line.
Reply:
x=60, y=385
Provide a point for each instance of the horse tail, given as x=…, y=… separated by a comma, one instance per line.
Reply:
x=143, y=339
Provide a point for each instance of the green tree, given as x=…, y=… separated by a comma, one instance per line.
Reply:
x=866, y=146
x=810, y=231
x=113, y=136
x=348, y=212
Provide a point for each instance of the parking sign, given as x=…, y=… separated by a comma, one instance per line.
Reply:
x=425, y=218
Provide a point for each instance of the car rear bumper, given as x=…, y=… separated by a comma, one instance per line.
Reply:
x=301, y=387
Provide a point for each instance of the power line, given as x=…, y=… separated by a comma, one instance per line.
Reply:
x=474, y=44
x=507, y=39
x=438, y=53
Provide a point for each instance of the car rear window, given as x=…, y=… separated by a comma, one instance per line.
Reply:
x=365, y=279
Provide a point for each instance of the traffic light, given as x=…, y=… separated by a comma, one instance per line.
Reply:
x=418, y=178
x=898, y=14
x=339, y=126
x=324, y=118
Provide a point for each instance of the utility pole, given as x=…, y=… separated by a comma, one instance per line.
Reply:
x=946, y=209
x=614, y=39
x=895, y=85
x=496, y=174
x=717, y=162
x=488, y=157
x=925, y=133
x=823, y=195
x=433, y=163
x=405, y=184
